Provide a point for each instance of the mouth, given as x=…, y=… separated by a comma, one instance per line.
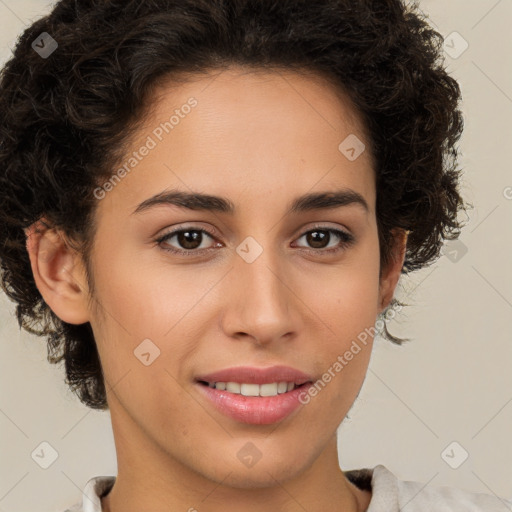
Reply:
x=251, y=389
x=258, y=396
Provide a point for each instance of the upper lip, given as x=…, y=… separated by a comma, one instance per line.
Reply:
x=255, y=375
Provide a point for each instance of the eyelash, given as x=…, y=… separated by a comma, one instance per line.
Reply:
x=346, y=240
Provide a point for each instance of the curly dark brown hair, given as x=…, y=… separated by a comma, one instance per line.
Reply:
x=66, y=119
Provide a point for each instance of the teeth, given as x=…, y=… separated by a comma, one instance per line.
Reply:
x=233, y=387
x=271, y=389
x=252, y=389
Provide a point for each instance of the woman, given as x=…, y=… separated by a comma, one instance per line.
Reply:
x=205, y=205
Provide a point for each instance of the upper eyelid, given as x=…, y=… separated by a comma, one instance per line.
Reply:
x=174, y=231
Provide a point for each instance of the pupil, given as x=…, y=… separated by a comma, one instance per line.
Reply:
x=189, y=239
x=314, y=241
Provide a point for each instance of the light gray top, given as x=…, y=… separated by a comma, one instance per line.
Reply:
x=389, y=494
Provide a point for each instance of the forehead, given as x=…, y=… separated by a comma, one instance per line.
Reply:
x=254, y=89
x=279, y=130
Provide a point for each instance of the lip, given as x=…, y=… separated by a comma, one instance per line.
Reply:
x=255, y=375
x=263, y=410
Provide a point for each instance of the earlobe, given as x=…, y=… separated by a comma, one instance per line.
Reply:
x=58, y=273
x=391, y=275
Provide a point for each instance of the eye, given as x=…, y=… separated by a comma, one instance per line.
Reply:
x=321, y=236
x=191, y=240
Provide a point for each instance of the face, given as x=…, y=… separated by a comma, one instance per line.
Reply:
x=183, y=292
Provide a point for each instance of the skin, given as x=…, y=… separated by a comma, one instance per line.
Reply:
x=260, y=140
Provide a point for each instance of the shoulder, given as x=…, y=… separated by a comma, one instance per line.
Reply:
x=391, y=494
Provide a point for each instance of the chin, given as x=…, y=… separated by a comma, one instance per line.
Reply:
x=253, y=478
x=264, y=473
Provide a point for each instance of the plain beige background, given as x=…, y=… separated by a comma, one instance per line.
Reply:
x=452, y=383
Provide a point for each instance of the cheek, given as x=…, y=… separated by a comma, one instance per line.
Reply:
x=146, y=310
x=344, y=348
x=348, y=308
x=351, y=316
x=141, y=317
x=147, y=298
x=347, y=296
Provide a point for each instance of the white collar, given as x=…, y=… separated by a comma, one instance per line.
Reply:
x=94, y=490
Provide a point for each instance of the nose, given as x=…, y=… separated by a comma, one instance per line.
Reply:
x=261, y=305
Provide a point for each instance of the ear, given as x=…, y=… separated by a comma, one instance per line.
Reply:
x=58, y=273
x=391, y=274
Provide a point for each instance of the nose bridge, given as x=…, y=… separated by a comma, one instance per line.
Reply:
x=258, y=268
x=261, y=302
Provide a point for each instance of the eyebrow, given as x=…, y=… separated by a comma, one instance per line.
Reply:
x=205, y=202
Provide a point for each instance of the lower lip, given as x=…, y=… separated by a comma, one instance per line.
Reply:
x=263, y=410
